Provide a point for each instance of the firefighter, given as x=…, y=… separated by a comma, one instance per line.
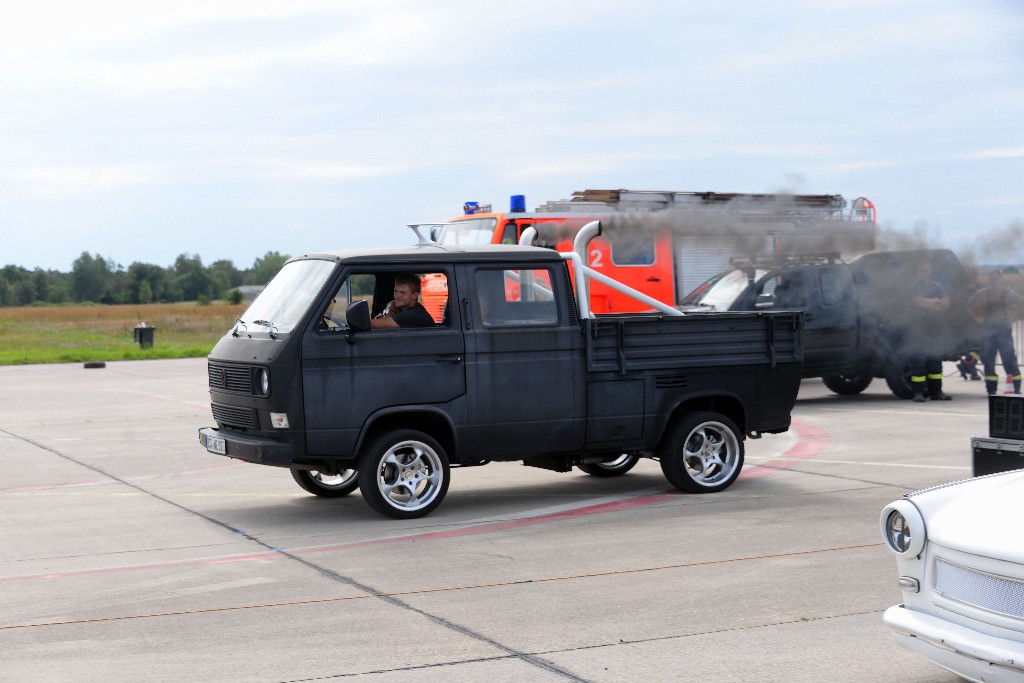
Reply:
x=994, y=307
x=930, y=301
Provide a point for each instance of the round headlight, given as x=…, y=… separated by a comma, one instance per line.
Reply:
x=903, y=528
x=897, y=532
x=264, y=379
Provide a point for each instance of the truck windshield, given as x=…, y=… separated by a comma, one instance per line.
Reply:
x=469, y=231
x=722, y=290
x=286, y=298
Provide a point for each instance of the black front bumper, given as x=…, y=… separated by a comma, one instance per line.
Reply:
x=254, y=449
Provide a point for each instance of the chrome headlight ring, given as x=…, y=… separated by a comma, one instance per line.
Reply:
x=903, y=528
x=263, y=381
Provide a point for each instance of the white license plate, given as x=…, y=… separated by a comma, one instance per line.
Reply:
x=215, y=444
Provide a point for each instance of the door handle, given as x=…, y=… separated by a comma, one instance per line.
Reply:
x=455, y=358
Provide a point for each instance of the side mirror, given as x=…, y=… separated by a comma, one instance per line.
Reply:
x=358, y=316
x=765, y=301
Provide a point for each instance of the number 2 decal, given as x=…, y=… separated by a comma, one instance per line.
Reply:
x=595, y=258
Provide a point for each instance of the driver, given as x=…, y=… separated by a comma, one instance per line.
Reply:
x=405, y=310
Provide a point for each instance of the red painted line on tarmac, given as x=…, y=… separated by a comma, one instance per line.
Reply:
x=812, y=440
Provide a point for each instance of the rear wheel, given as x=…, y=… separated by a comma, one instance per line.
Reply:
x=613, y=468
x=897, y=378
x=404, y=474
x=327, y=485
x=848, y=383
x=702, y=453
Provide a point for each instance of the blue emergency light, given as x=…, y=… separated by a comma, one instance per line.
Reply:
x=518, y=203
x=470, y=207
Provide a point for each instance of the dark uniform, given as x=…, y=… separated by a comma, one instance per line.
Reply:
x=926, y=334
x=994, y=306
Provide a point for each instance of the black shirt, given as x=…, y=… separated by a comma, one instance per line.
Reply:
x=414, y=316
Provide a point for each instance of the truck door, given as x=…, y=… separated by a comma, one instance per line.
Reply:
x=825, y=294
x=345, y=380
x=524, y=362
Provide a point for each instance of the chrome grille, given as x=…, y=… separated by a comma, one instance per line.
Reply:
x=233, y=416
x=229, y=377
x=990, y=592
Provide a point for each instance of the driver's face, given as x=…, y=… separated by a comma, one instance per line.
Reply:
x=404, y=296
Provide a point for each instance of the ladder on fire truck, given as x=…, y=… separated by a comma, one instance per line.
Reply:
x=779, y=206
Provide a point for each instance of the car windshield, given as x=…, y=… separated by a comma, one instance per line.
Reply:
x=286, y=298
x=721, y=291
x=468, y=232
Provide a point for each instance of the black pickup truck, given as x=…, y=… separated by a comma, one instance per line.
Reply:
x=856, y=314
x=302, y=381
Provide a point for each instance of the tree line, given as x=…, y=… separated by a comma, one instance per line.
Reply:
x=99, y=280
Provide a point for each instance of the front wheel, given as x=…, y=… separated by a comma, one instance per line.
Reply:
x=404, y=474
x=848, y=383
x=327, y=485
x=612, y=468
x=701, y=453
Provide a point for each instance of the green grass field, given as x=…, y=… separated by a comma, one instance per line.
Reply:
x=80, y=333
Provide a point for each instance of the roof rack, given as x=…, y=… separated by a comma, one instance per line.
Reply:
x=828, y=206
x=782, y=260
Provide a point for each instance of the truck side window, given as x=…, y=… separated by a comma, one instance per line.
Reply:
x=513, y=298
x=373, y=287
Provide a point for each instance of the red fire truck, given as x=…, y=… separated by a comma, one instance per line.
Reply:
x=667, y=243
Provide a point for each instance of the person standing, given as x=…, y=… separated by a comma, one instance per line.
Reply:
x=930, y=301
x=994, y=308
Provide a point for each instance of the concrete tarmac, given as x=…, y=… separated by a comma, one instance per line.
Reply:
x=129, y=553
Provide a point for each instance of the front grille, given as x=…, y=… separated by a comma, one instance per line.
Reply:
x=233, y=416
x=236, y=378
x=998, y=594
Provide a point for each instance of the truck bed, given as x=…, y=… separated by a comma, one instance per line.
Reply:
x=628, y=343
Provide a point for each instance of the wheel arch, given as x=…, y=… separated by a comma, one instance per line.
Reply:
x=728, y=405
x=426, y=419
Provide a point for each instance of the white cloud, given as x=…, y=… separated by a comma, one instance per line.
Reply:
x=79, y=181
x=300, y=169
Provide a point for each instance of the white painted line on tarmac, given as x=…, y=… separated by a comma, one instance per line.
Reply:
x=861, y=462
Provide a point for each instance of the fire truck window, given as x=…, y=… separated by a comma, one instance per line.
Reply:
x=632, y=249
x=508, y=235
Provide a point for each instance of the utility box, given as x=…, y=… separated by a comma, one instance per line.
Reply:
x=1003, y=449
x=144, y=335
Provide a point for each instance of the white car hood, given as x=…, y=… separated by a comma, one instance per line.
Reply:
x=981, y=516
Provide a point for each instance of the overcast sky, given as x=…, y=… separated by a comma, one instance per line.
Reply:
x=140, y=131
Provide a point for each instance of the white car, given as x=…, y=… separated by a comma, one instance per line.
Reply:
x=960, y=553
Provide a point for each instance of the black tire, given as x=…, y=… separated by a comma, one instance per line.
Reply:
x=93, y=364
x=897, y=378
x=849, y=383
x=327, y=485
x=404, y=474
x=701, y=453
x=613, y=468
